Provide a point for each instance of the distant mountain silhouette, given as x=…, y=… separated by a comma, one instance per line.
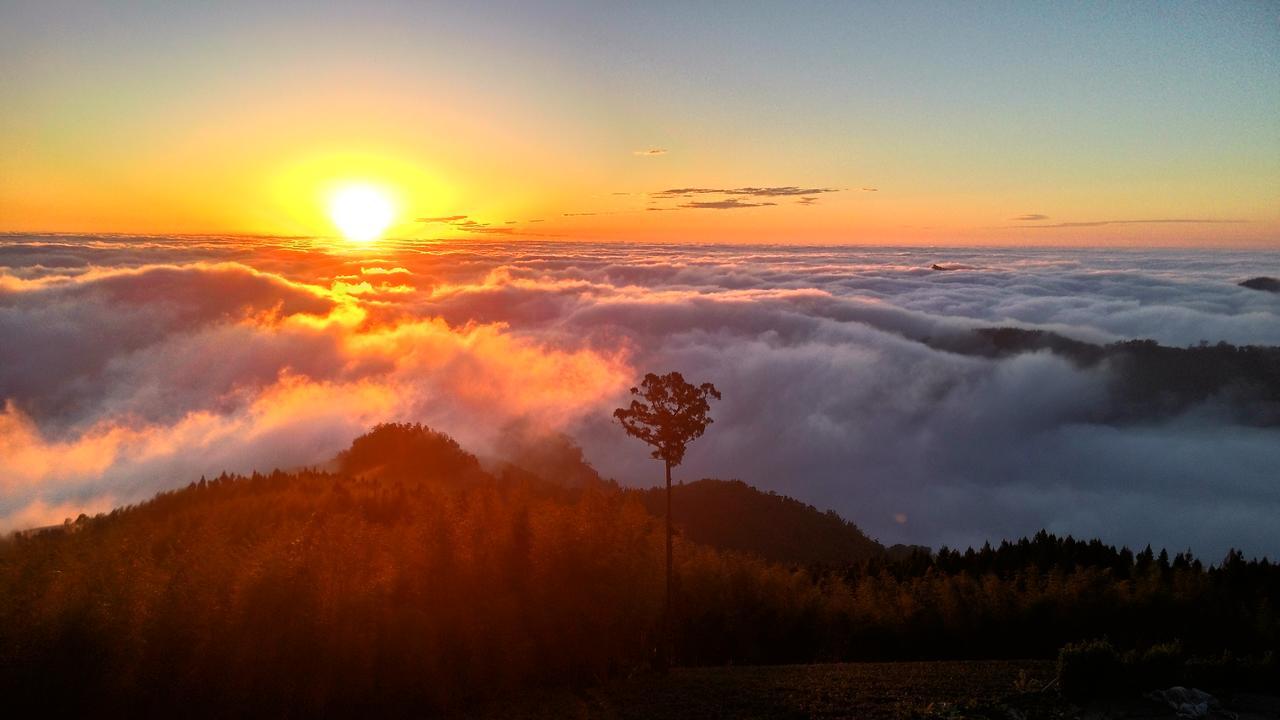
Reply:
x=1149, y=381
x=906, y=552
x=1004, y=342
x=732, y=515
x=553, y=457
x=1268, y=284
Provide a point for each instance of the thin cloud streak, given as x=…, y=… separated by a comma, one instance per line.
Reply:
x=776, y=191
x=465, y=223
x=730, y=204
x=1100, y=223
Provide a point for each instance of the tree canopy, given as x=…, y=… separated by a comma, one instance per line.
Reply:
x=669, y=414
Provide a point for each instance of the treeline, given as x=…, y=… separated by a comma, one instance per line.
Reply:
x=1024, y=599
x=413, y=580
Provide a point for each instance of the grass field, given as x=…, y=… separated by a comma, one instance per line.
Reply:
x=849, y=690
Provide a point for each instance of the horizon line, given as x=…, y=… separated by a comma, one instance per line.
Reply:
x=1262, y=245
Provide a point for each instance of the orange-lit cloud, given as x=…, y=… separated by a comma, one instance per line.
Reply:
x=138, y=364
x=273, y=371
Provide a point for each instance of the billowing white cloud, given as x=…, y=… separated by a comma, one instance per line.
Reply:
x=129, y=365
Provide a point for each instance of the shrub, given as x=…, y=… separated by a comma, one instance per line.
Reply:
x=1225, y=671
x=1160, y=666
x=1090, y=668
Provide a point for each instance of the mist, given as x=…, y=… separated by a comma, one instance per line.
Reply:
x=132, y=365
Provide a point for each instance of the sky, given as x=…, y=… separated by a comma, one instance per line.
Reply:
x=131, y=365
x=1019, y=123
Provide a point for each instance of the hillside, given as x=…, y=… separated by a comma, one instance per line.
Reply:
x=410, y=579
x=414, y=581
x=732, y=515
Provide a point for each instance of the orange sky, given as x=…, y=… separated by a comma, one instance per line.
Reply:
x=1086, y=127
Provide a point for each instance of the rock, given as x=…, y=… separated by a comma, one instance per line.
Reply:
x=1188, y=703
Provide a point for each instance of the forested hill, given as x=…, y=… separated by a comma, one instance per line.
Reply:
x=1149, y=381
x=413, y=580
x=732, y=515
x=723, y=514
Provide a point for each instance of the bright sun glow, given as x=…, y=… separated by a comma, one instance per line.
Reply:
x=361, y=212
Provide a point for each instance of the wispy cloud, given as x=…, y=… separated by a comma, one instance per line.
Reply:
x=870, y=189
x=1165, y=221
x=650, y=152
x=466, y=224
x=728, y=204
x=472, y=226
x=737, y=197
x=775, y=191
x=1030, y=217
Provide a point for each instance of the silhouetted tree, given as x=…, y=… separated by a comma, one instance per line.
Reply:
x=670, y=414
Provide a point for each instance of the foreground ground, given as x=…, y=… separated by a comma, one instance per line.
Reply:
x=1013, y=690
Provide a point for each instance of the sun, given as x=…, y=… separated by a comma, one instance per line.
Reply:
x=361, y=212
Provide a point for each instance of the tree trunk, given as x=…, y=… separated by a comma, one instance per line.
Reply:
x=667, y=647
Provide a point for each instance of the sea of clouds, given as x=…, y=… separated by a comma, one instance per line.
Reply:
x=133, y=365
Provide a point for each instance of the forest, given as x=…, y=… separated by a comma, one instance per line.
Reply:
x=412, y=576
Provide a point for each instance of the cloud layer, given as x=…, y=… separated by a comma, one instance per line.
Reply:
x=128, y=365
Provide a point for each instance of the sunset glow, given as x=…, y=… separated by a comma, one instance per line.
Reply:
x=533, y=358
x=830, y=127
x=361, y=212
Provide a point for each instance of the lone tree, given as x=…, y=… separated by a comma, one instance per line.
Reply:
x=669, y=415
